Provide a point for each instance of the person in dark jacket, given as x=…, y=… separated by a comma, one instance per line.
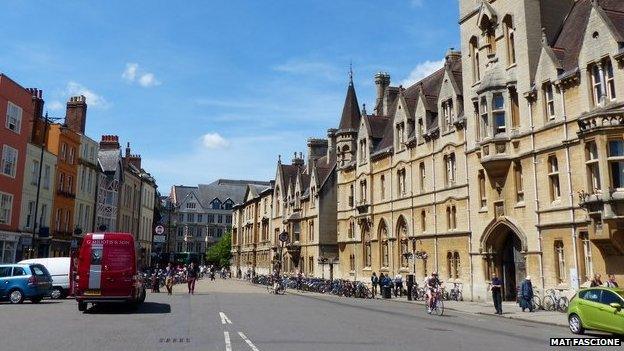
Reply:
x=596, y=281
x=496, y=287
x=374, y=282
x=526, y=294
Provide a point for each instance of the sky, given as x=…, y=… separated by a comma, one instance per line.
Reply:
x=204, y=90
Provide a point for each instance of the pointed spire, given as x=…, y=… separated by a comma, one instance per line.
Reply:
x=364, y=110
x=351, y=110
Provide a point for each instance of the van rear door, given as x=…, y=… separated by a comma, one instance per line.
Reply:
x=118, y=265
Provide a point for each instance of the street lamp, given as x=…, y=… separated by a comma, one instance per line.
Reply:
x=283, y=238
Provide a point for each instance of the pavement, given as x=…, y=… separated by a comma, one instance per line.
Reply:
x=233, y=315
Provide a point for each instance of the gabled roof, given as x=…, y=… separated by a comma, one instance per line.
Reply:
x=222, y=189
x=351, y=115
x=109, y=160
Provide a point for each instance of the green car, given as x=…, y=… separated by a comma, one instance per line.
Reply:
x=597, y=308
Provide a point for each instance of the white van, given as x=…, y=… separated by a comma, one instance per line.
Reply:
x=59, y=270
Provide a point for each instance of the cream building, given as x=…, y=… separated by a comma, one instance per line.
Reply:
x=84, y=210
x=509, y=159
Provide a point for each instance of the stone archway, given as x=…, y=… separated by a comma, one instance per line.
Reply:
x=503, y=246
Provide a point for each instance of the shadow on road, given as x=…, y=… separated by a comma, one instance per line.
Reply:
x=144, y=308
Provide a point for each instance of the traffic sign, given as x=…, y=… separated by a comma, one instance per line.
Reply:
x=283, y=237
x=160, y=238
x=159, y=229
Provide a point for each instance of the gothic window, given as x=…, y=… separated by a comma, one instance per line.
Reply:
x=518, y=182
x=593, y=171
x=456, y=264
x=404, y=250
x=484, y=121
x=401, y=182
x=448, y=114
x=450, y=169
x=383, y=186
x=385, y=258
x=363, y=195
x=510, y=39
x=367, y=254
x=560, y=267
x=423, y=174
x=351, y=195
x=400, y=136
x=588, y=269
x=474, y=55
x=482, y=194
x=423, y=221
x=362, y=150
x=515, y=108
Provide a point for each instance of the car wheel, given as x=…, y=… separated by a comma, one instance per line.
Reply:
x=16, y=296
x=575, y=324
x=36, y=299
x=82, y=306
x=56, y=293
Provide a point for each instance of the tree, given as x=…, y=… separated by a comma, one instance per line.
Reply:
x=220, y=253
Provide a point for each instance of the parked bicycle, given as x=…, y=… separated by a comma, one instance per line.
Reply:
x=555, y=301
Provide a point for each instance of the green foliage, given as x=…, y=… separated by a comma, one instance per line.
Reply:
x=219, y=253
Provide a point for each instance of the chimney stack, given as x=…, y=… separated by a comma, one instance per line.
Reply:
x=382, y=81
x=109, y=142
x=317, y=148
x=331, y=144
x=452, y=55
x=298, y=160
x=76, y=115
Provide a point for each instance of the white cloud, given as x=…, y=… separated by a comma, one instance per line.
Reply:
x=93, y=99
x=214, y=141
x=422, y=70
x=129, y=73
x=55, y=105
x=133, y=73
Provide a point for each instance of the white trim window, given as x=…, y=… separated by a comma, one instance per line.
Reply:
x=13, y=118
x=6, y=207
x=498, y=114
x=46, y=176
x=63, y=151
x=34, y=173
x=553, y=178
x=616, y=163
x=602, y=82
x=9, y=161
x=609, y=80
x=30, y=214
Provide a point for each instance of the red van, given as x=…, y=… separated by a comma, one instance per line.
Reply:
x=107, y=270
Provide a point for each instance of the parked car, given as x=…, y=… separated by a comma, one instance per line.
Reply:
x=598, y=308
x=24, y=281
x=108, y=270
x=59, y=270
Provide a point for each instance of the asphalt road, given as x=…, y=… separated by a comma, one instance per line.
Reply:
x=235, y=316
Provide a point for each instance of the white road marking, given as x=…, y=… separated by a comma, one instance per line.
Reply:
x=228, y=344
x=224, y=318
x=251, y=345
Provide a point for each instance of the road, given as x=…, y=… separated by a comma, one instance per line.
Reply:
x=235, y=316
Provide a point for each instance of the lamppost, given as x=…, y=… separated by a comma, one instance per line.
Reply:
x=283, y=238
x=322, y=260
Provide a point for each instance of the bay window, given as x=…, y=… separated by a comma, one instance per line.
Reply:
x=616, y=163
x=498, y=114
x=593, y=171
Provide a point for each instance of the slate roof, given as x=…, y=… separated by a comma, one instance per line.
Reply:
x=109, y=160
x=351, y=111
x=569, y=41
x=221, y=189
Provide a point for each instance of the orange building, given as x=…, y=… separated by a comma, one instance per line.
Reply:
x=64, y=143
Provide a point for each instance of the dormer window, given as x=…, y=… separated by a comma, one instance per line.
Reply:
x=450, y=167
x=448, y=114
x=362, y=150
x=603, y=82
x=421, y=128
x=549, y=100
x=400, y=136
x=363, y=191
x=401, y=182
x=510, y=39
x=489, y=32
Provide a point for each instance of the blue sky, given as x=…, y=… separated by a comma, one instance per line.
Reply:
x=217, y=89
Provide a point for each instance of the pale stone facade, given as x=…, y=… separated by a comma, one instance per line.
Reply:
x=84, y=210
x=509, y=159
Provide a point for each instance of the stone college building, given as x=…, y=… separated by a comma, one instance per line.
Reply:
x=509, y=159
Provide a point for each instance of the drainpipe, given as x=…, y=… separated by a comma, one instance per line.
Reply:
x=571, y=195
x=470, y=256
x=537, y=204
x=435, y=206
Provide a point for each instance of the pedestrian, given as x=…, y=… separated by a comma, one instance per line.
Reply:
x=526, y=294
x=299, y=280
x=596, y=281
x=169, y=275
x=191, y=277
x=611, y=282
x=495, y=287
x=374, y=282
x=398, y=285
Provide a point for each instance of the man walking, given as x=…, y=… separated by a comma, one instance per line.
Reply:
x=398, y=285
x=374, y=282
x=526, y=294
x=191, y=277
x=611, y=282
x=495, y=287
x=169, y=275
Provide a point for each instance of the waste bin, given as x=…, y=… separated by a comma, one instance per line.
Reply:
x=386, y=292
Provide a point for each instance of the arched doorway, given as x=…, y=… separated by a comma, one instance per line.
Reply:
x=504, y=246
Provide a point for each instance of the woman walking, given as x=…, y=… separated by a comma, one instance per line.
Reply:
x=191, y=277
x=169, y=276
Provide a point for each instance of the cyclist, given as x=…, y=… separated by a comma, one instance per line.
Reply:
x=432, y=284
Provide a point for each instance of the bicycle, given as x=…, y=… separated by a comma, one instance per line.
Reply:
x=276, y=286
x=553, y=301
x=437, y=305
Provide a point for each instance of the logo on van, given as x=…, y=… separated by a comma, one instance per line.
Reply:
x=108, y=242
